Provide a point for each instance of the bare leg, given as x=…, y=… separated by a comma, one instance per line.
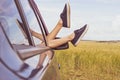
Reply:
x=37, y=35
x=74, y=38
x=42, y=57
x=50, y=37
x=54, y=43
x=55, y=31
x=57, y=42
x=52, y=34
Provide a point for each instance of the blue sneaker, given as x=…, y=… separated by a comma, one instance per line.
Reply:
x=79, y=33
x=65, y=16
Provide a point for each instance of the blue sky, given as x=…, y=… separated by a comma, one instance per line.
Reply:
x=102, y=16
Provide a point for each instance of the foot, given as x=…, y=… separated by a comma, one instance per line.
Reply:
x=65, y=16
x=79, y=34
x=39, y=66
x=35, y=71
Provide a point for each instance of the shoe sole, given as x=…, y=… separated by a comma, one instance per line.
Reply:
x=68, y=14
x=81, y=36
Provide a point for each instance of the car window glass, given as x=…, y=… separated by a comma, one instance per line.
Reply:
x=9, y=12
x=32, y=21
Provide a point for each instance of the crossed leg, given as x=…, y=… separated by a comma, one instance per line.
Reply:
x=74, y=38
x=52, y=42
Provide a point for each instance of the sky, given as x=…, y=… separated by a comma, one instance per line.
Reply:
x=102, y=17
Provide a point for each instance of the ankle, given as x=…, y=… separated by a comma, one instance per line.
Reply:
x=38, y=66
x=71, y=36
x=60, y=22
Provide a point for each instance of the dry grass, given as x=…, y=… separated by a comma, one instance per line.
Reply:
x=90, y=61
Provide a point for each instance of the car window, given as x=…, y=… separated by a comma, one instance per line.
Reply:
x=9, y=12
x=32, y=21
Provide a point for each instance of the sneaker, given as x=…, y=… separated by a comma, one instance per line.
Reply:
x=65, y=16
x=35, y=71
x=79, y=34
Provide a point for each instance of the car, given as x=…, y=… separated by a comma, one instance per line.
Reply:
x=19, y=50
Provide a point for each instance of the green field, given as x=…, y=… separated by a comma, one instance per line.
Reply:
x=90, y=61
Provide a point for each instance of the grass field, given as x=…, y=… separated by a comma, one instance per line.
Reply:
x=90, y=60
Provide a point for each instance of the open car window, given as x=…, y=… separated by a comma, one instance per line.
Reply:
x=19, y=39
x=13, y=31
x=31, y=19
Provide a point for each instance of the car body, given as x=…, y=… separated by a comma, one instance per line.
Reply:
x=19, y=49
